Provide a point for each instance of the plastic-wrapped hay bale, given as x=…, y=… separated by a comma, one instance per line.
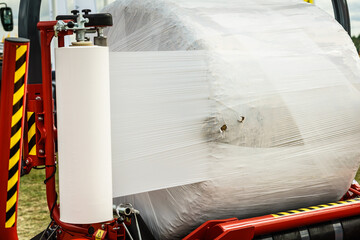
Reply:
x=259, y=99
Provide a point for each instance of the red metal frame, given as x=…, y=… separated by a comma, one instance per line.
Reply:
x=48, y=153
x=111, y=230
x=34, y=104
x=7, y=117
x=247, y=229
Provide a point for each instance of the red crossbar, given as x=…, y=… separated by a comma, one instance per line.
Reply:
x=246, y=229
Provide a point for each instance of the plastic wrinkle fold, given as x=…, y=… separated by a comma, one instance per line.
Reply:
x=230, y=109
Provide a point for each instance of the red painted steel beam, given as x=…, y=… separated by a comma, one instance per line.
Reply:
x=46, y=34
x=34, y=128
x=246, y=229
x=270, y=223
x=12, y=112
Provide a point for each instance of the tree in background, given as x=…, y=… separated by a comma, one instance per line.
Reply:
x=356, y=41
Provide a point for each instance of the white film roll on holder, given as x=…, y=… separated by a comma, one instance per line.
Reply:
x=84, y=134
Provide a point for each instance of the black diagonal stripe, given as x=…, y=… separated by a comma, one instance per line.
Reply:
x=31, y=120
x=32, y=142
x=13, y=170
x=19, y=84
x=18, y=105
x=16, y=127
x=10, y=212
x=20, y=61
x=14, y=149
x=12, y=191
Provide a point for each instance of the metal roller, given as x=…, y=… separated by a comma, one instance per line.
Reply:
x=345, y=229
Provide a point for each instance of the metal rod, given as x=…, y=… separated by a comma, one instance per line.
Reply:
x=42, y=235
x=137, y=226
x=127, y=230
x=52, y=232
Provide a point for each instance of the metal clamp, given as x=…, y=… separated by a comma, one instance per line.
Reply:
x=127, y=210
x=78, y=27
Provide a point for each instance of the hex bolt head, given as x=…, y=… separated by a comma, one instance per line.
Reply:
x=27, y=161
x=40, y=118
x=103, y=226
x=41, y=151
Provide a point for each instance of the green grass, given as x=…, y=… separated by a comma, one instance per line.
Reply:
x=33, y=215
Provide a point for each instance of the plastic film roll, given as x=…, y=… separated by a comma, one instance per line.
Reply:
x=84, y=134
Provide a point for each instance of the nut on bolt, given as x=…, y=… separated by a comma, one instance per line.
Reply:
x=41, y=151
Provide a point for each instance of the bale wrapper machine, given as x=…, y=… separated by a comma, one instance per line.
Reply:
x=28, y=134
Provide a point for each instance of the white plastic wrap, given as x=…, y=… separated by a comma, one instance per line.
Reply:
x=278, y=116
x=83, y=113
x=159, y=146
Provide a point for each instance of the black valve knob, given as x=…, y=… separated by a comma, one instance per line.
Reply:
x=71, y=24
x=75, y=12
x=86, y=11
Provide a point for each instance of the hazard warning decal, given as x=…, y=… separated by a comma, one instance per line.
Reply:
x=16, y=131
x=315, y=208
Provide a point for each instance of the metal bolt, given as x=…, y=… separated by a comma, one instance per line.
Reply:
x=60, y=232
x=38, y=98
x=41, y=151
x=40, y=118
x=27, y=161
x=103, y=226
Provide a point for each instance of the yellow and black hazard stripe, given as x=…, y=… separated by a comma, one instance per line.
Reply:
x=315, y=208
x=16, y=122
x=309, y=1
x=31, y=133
